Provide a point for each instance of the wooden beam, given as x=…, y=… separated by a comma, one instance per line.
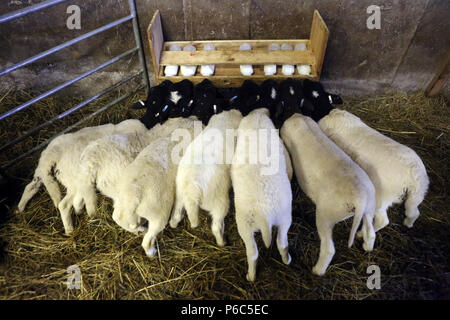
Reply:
x=234, y=44
x=439, y=79
x=235, y=81
x=236, y=57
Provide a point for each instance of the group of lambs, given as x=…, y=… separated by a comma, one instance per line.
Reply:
x=345, y=167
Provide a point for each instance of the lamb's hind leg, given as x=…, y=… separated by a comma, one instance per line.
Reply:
x=368, y=232
x=250, y=246
x=325, y=230
x=30, y=190
x=411, y=209
x=89, y=196
x=192, y=209
x=148, y=243
x=218, y=215
x=64, y=207
x=177, y=212
x=282, y=243
x=381, y=218
x=380, y=221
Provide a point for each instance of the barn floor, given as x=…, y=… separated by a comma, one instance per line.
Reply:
x=414, y=263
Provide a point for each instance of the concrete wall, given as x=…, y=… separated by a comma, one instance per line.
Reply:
x=404, y=54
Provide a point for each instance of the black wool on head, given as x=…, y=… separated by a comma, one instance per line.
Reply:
x=319, y=99
x=155, y=102
x=179, y=99
x=248, y=98
x=291, y=99
x=205, y=95
x=270, y=96
x=156, y=96
x=228, y=95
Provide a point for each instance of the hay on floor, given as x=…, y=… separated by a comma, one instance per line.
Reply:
x=414, y=263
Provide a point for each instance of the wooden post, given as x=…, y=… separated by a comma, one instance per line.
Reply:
x=318, y=40
x=156, y=42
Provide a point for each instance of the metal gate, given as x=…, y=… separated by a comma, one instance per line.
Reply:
x=142, y=72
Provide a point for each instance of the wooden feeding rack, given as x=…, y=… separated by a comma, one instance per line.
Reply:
x=227, y=57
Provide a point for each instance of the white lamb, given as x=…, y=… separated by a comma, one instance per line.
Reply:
x=147, y=187
x=62, y=157
x=103, y=163
x=396, y=171
x=338, y=186
x=203, y=179
x=261, y=200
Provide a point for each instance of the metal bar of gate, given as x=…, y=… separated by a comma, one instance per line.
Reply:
x=138, y=40
x=65, y=45
x=36, y=7
x=70, y=111
x=139, y=48
x=66, y=84
x=45, y=143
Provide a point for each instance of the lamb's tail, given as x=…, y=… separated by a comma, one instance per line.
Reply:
x=30, y=190
x=359, y=213
x=266, y=232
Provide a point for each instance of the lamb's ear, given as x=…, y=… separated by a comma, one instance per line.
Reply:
x=335, y=99
x=138, y=105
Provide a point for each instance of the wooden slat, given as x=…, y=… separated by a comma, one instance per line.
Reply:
x=155, y=39
x=236, y=57
x=234, y=81
x=232, y=70
x=234, y=44
x=318, y=40
x=439, y=80
x=230, y=76
x=227, y=56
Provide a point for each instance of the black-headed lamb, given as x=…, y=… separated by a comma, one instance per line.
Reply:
x=396, y=171
x=203, y=179
x=147, y=187
x=63, y=158
x=262, y=190
x=155, y=104
x=103, y=161
x=339, y=188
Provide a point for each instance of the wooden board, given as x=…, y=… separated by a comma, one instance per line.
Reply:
x=318, y=39
x=230, y=76
x=234, y=44
x=236, y=57
x=227, y=57
x=155, y=39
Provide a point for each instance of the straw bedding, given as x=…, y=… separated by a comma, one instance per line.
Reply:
x=35, y=254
